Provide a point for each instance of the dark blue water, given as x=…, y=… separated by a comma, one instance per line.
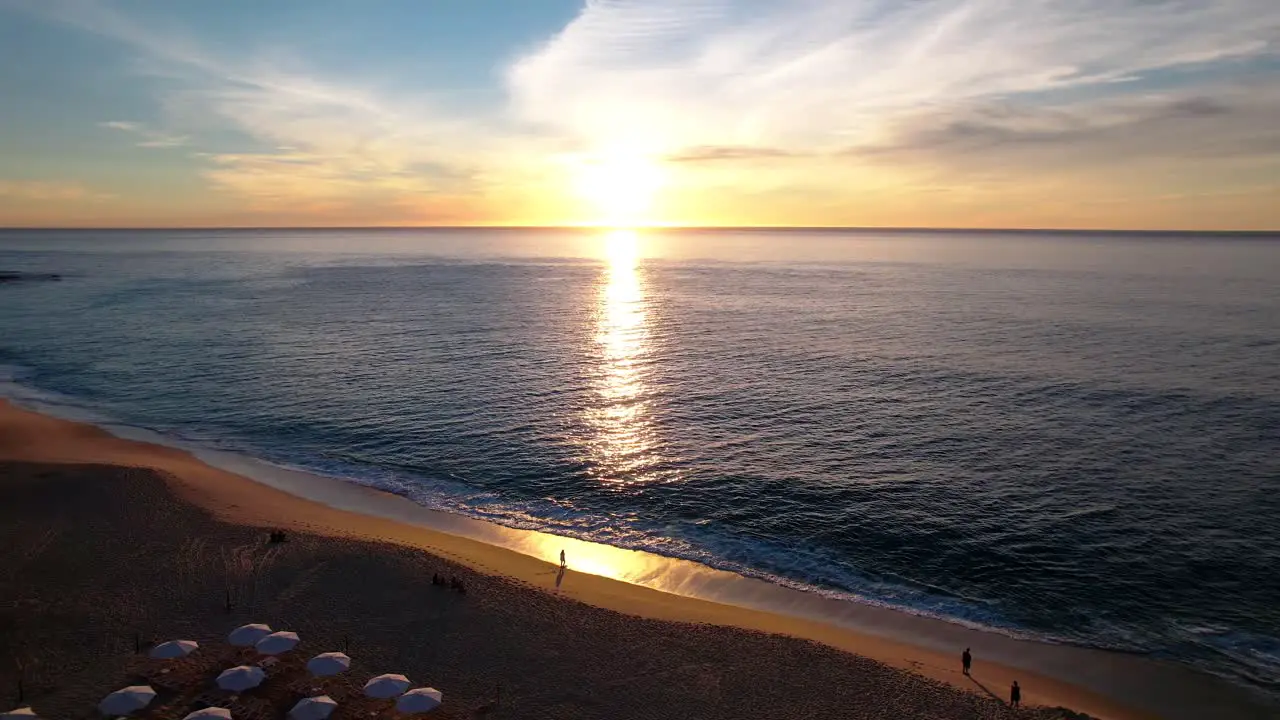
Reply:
x=1073, y=437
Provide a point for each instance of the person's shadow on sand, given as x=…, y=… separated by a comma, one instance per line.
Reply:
x=996, y=697
x=985, y=689
x=560, y=577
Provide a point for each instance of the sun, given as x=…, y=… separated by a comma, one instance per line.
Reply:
x=621, y=250
x=618, y=189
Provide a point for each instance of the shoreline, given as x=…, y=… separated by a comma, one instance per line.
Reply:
x=238, y=490
x=352, y=494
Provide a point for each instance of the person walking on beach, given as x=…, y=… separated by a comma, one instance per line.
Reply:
x=562, y=563
x=966, y=660
x=1015, y=695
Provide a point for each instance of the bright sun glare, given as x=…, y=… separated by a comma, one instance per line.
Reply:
x=619, y=190
x=621, y=249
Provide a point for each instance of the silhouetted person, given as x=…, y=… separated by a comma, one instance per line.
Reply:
x=562, y=562
x=966, y=659
x=1015, y=695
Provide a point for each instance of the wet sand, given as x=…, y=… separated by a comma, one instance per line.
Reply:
x=104, y=539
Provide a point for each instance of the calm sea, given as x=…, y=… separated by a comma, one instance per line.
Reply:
x=1067, y=436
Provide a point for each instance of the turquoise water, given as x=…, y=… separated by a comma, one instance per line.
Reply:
x=1071, y=437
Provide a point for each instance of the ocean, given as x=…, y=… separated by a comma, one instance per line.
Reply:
x=1066, y=436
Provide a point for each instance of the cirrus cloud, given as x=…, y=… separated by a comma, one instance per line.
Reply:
x=838, y=107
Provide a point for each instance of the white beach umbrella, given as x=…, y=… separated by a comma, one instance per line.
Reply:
x=276, y=643
x=22, y=713
x=313, y=708
x=127, y=700
x=419, y=700
x=174, y=649
x=386, y=686
x=241, y=678
x=330, y=663
x=210, y=713
x=247, y=635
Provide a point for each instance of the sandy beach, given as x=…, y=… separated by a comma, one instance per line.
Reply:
x=106, y=538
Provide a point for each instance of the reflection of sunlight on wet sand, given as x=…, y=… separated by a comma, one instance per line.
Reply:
x=623, y=443
x=596, y=559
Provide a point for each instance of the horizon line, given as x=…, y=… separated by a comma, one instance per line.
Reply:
x=646, y=228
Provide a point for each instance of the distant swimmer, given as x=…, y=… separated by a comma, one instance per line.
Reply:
x=1015, y=695
x=562, y=563
x=966, y=659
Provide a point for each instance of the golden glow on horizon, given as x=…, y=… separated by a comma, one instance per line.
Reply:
x=623, y=442
x=619, y=189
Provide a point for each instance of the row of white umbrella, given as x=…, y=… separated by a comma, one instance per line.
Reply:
x=256, y=635
x=245, y=677
x=322, y=706
x=419, y=700
x=129, y=700
x=312, y=708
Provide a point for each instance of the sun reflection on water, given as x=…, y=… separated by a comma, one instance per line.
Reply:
x=623, y=447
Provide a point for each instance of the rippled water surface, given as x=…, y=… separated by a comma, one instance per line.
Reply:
x=1074, y=437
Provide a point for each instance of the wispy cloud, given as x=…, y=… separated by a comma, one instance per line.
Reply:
x=719, y=153
x=977, y=101
x=313, y=140
x=1231, y=126
x=825, y=103
x=336, y=138
x=671, y=74
x=149, y=138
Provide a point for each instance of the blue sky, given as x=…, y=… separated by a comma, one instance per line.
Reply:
x=1045, y=113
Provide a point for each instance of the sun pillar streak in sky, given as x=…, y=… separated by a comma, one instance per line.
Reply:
x=623, y=447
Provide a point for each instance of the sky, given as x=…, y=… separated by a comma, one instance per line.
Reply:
x=1135, y=114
